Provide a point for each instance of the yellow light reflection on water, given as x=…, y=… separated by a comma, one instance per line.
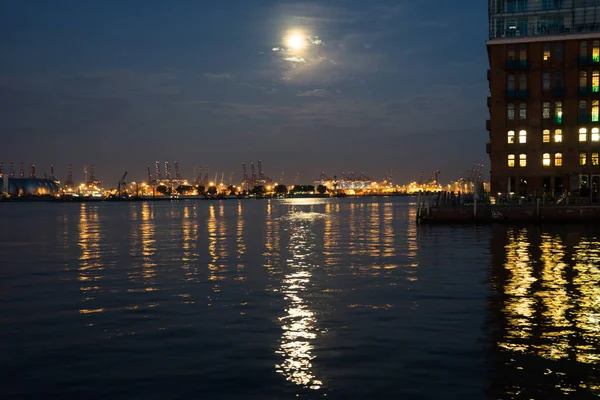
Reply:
x=211, y=227
x=148, y=229
x=551, y=310
x=299, y=323
x=90, y=267
x=586, y=256
x=555, y=299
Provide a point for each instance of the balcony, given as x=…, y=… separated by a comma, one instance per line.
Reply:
x=489, y=101
x=558, y=91
x=488, y=125
x=584, y=90
x=584, y=118
x=588, y=60
x=517, y=94
x=557, y=120
x=516, y=64
x=488, y=147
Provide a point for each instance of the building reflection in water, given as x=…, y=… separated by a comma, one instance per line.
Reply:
x=299, y=323
x=545, y=313
x=240, y=246
x=90, y=267
x=412, y=245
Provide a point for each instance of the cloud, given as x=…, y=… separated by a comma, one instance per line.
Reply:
x=295, y=59
x=395, y=117
x=218, y=76
x=314, y=93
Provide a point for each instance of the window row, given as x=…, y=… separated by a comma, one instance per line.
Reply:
x=594, y=136
x=555, y=159
x=583, y=50
x=583, y=112
x=511, y=82
x=558, y=136
x=522, y=111
x=556, y=51
x=558, y=80
x=583, y=159
x=583, y=81
x=547, y=160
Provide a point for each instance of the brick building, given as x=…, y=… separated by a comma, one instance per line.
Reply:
x=544, y=102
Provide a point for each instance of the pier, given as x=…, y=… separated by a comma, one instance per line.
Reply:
x=443, y=209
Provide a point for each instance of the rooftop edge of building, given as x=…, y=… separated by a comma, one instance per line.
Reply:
x=548, y=38
x=533, y=18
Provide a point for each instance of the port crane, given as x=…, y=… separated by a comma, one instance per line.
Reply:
x=121, y=183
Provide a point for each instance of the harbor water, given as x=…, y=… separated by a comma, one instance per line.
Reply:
x=295, y=298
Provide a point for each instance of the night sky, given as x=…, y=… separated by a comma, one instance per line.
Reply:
x=336, y=85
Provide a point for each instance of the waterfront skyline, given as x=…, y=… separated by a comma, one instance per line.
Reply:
x=306, y=87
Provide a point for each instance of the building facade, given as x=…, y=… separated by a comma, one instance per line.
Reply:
x=544, y=102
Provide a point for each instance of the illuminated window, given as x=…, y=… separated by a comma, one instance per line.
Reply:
x=595, y=135
x=510, y=82
x=583, y=80
x=582, y=158
x=511, y=111
x=595, y=159
x=596, y=51
x=583, y=49
x=522, y=160
x=583, y=135
x=558, y=80
x=595, y=81
x=511, y=137
x=511, y=160
x=522, y=82
x=547, y=47
x=558, y=136
x=595, y=110
x=523, y=111
x=546, y=81
x=558, y=159
x=523, y=54
x=558, y=51
x=546, y=159
x=558, y=111
x=546, y=110
x=522, y=136
x=546, y=136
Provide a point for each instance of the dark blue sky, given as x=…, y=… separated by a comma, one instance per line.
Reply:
x=378, y=85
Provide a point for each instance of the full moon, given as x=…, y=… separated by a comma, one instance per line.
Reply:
x=296, y=42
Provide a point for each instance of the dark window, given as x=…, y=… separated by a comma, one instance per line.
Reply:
x=523, y=82
x=511, y=53
x=582, y=108
x=558, y=80
x=522, y=111
x=583, y=50
x=546, y=81
x=510, y=83
x=558, y=51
